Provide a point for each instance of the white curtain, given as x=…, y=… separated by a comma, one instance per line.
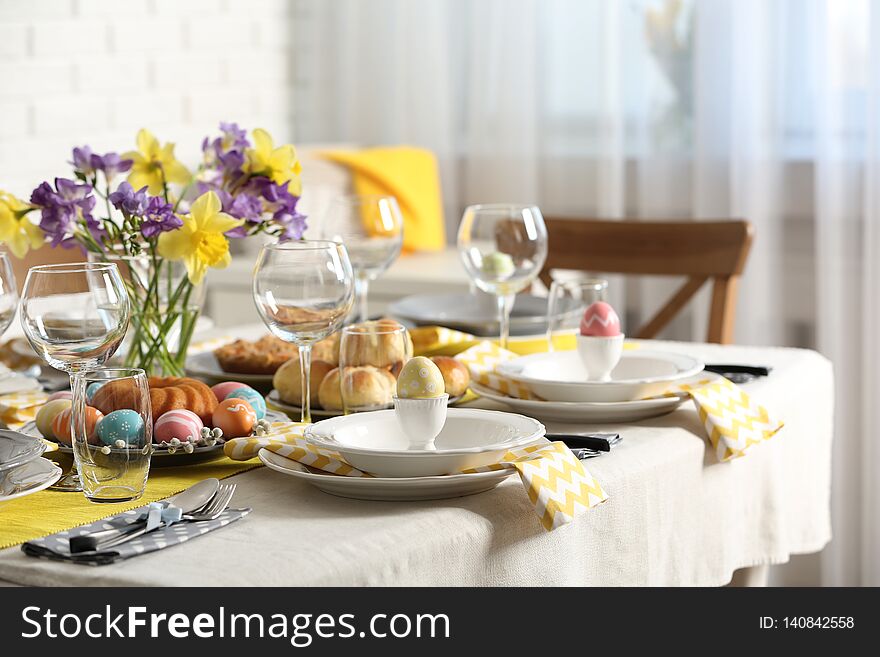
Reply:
x=763, y=109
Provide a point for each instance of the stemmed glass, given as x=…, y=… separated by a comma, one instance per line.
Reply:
x=371, y=227
x=8, y=293
x=503, y=247
x=303, y=291
x=74, y=315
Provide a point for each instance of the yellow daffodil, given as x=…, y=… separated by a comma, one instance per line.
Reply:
x=200, y=242
x=154, y=164
x=280, y=164
x=15, y=229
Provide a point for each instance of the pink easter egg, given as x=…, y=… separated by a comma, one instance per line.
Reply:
x=220, y=390
x=61, y=394
x=184, y=425
x=600, y=320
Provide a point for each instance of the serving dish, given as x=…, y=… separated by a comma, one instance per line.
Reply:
x=204, y=366
x=388, y=489
x=560, y=376
x=374, y=442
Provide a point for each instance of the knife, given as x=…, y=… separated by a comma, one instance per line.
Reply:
x=739, y=373
x=602, y=442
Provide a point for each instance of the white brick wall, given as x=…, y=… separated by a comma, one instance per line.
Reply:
x=75, y=72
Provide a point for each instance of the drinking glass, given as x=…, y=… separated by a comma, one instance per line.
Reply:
x=371, y=355
x=113, y=457
x=503, y=248
x=567, y=301
x=371, y=227
x=74, y=315
x=303, y=292
x=8, y=293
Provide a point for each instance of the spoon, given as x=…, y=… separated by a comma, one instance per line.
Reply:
x=189, y=500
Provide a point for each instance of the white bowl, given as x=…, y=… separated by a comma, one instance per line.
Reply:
x=560, y=376
x=374, y=442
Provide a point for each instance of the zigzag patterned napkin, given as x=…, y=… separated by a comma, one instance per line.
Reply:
x=19, y=408
x=557, y=483
x=734, y=422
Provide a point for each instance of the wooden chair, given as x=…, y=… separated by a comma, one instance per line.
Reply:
x=703, y=251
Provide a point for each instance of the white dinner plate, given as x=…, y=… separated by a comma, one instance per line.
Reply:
x=393, y=489
x=17, y=448
x=590, y=412
x=375, y=442
x=273, y=399
x=28, y=478
x=560, y=376
x=478, y=313
x=205, y=366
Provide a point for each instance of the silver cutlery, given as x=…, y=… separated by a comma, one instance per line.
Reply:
x=192, y=500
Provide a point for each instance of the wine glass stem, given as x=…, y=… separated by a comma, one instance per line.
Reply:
x=362, y=286
x=505, y=303
x=305, y=370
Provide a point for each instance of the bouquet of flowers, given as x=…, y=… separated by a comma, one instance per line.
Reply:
x=163, y=224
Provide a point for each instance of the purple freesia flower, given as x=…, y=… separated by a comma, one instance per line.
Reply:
x=87, y=162
x=82, y=159
x=131, y=202
x=159, y=217
x=283, y=204
x=62, y=207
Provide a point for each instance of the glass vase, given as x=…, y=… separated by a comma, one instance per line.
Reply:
x=165, y=309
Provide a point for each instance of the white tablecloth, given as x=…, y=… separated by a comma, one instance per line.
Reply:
x=675, y=515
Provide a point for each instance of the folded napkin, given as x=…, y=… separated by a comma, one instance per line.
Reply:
x=557, y=483
x=734, y=422
x=442, y=341
x=19, y=408
x=57, y=546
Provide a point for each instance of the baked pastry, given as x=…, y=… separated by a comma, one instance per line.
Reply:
x=366, y=387
x=455, y=375
x=166, y=394
x=263, y=356
x=327, y=350
x=288, y=380
x=363, y=347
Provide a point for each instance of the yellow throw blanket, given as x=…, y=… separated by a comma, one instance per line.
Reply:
x=410, y=175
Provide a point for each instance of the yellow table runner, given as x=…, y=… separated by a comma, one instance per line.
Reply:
x=52, y=511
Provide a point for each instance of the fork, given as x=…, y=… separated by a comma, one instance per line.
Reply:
x=210, y=511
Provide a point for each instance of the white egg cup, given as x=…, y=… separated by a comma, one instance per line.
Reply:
x=600, y=354
x=421, y=419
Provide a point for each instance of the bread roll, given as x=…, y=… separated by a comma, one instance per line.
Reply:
x=288, y=380
x=327, y=350
x=363, y=347
x=366, y=387
x=455, y=375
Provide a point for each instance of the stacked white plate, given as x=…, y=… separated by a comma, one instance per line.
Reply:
x=374, y=443
x=22, y=469
x=635, y=392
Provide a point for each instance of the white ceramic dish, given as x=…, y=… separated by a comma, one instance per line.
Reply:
x=295, y=412
x=205, y=366
x=589, y=412
x=560, y=376
x=375, y=443
x=478, y=313
x=388, y=489
x=17, y=448
x=33, y=476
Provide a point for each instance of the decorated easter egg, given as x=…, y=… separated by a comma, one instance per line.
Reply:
x=600, y=320
x=125, y=424
x=61, y=425
x=235, y=418
x=420, y=378
x=47, y=414
x=61, y=394
x=251, y=396
x=184, y=425
x=222, y=390
x=92, y=388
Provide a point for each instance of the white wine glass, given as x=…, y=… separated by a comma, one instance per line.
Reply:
x=503, y=248
x=303, y=291
x=8, y=293
x=74, y=316
x=371, y=228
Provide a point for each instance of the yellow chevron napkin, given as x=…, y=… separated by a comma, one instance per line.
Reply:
x=442, y=341
x=557, y=483
x=19, y=408
x=733, y=421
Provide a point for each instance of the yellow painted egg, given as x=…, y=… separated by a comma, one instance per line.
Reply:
x=420, y=378
x=46, y=415
x=235, y=418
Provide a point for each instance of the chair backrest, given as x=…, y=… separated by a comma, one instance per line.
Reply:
x=703, y=251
